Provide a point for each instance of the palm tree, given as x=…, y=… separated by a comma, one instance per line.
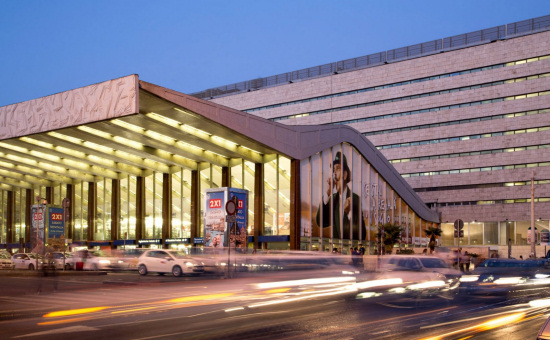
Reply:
x=432, y=232
x=389, y=234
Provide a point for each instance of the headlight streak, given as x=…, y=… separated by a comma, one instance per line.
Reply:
x=488, y=325
x=469, y=278
x=279, y=284
x=426, y=285
x=378, y=283
x=305, y=297
x=509, y=280
x=74, y=312
x=539, y=303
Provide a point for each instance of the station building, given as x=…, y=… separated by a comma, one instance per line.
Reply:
x=464, y=119
x=129, y=164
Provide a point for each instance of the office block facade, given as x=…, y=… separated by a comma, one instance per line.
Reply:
x=465, y=120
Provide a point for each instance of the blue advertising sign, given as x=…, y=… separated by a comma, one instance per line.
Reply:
x=238, y=232
x=56, y=225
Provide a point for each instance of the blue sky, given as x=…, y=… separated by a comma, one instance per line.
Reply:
x=53, y=46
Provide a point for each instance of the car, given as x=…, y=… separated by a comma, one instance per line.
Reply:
x=29, y=261
x=59, y=260
x=5, y=260
x=100, y=260
x=168, y=261
x=415, y=277
x=498, y=277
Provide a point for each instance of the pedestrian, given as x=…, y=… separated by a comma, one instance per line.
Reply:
x=355, y=257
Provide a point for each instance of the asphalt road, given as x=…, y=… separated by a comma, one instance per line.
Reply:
x=129, y=306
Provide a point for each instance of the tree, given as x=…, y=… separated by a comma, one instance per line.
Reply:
x=389, y=234
x=432, y=232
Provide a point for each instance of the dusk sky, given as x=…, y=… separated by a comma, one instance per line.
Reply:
x=188, y=46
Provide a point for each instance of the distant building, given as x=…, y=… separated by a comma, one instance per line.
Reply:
x=464, y=119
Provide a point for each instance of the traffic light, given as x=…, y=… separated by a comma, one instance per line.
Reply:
x=459, y=228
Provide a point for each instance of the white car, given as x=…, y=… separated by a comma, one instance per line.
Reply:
x=100, y=260
x=59, y=260
x=27, y=261
x=165, y=261
x=5, y=261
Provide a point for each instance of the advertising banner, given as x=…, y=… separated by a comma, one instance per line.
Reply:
x=237, y=232
x=214, y=219
x=56, y=225
x=217, y=234
x=37, y=227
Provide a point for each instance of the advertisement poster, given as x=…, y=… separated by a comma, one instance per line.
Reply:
x=217, y=233
x=37, y=227
x=214, y=219
x=237, y=232
x=56, y=226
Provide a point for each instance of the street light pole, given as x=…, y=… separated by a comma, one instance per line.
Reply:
x=533, y=232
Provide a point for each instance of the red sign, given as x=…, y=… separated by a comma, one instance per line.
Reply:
x=215, y=203
x=240, y=205
x=57, y=217
x=38, y=216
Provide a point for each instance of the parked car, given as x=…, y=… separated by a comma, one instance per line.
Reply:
x=5, y=260
x=27, y=261
x=165, y=261
x=59, y=260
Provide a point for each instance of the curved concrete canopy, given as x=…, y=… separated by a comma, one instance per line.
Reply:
x=296, y=142
x=126, y=127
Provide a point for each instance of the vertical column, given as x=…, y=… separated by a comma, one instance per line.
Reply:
x=140, y=207
x=29, y=201
x=92, y=209
x=195, y=204
x=166, y=207
x=49, y=195
x=226, y=177
x=115, y=211
x=295, y=205
x=69, y=231
x=10, y=217
x=258, y=203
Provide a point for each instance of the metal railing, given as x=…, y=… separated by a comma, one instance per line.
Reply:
x=435, y=46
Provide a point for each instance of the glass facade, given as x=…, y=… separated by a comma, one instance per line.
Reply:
x=343, y=201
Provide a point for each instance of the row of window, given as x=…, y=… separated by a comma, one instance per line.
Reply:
x=487, y=168
x=480, y=233
x=460, y=138
x=401, y=83
x=482, y=186
x=456, y=122
x=393, y=100
x=491, y=202
x=471, y=153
